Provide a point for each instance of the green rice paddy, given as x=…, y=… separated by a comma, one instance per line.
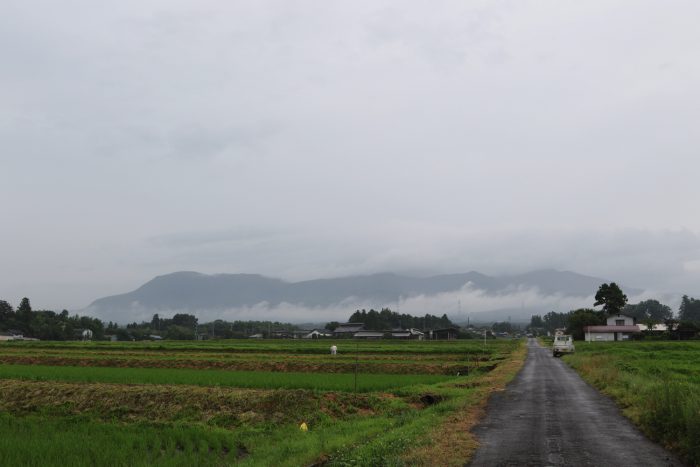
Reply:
x=233, y=402
x=240, y=379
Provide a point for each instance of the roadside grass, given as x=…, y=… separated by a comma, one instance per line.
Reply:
x=545, y=341
x=450, y=441
x=657, y=385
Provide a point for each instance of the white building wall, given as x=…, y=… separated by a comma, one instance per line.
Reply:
x=612, y=320
x=600, y=336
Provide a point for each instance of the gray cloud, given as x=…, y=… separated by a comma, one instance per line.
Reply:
x=302, y=140
x=198, y=141
x=194, y=239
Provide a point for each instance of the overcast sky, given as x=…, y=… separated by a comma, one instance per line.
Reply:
x=305, y=139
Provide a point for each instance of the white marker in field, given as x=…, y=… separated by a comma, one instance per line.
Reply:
x=334, y=350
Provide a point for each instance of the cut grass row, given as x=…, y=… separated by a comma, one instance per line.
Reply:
x=220, y=407
x=346, y=355
x=657, y=384
x=271, y=364
x=243, y=379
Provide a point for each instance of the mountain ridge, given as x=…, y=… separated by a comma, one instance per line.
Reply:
x=191, y=290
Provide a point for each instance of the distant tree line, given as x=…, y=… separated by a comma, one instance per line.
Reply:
x=46, y=324
x=221, y=329
x=49, y=325
x=183, y=326
x=386, y=319
x=504, y=326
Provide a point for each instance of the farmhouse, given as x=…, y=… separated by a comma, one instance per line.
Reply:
x=407, y=334
x=369, y=335
x=12, y=335
x=653, y=328
x=618, y=328
x=444, y=334
x=358, y=330
x=282, y=334
x=316, y=334
x=347, y=330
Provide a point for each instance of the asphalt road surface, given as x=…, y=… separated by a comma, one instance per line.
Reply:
x=548, y=416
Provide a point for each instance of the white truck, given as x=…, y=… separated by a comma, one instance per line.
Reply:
x=563, y=344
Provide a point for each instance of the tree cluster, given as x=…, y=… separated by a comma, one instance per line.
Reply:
x=184, y=326
x=387, y=319
x=614, y=301
x=573, y=321
x=547, y=323
x=503, y=326
x=689, y=310
x=181, y=326
x=221, y=329
x=611, y=297
x=576, y=320
x=46, y=324
x=648, y=311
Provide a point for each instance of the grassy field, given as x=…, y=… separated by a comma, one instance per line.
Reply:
x=656, y=383
x=241, y=402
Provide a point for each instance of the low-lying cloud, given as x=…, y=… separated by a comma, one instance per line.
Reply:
x=466, y=304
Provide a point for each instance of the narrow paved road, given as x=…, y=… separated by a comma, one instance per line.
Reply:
x=548, y=416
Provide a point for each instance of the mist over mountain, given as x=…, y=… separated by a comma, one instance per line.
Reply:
x=194, y=292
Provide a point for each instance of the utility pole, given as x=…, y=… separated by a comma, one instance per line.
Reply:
x=357, y=361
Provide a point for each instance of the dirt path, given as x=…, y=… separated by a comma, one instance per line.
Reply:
x=549, y=416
